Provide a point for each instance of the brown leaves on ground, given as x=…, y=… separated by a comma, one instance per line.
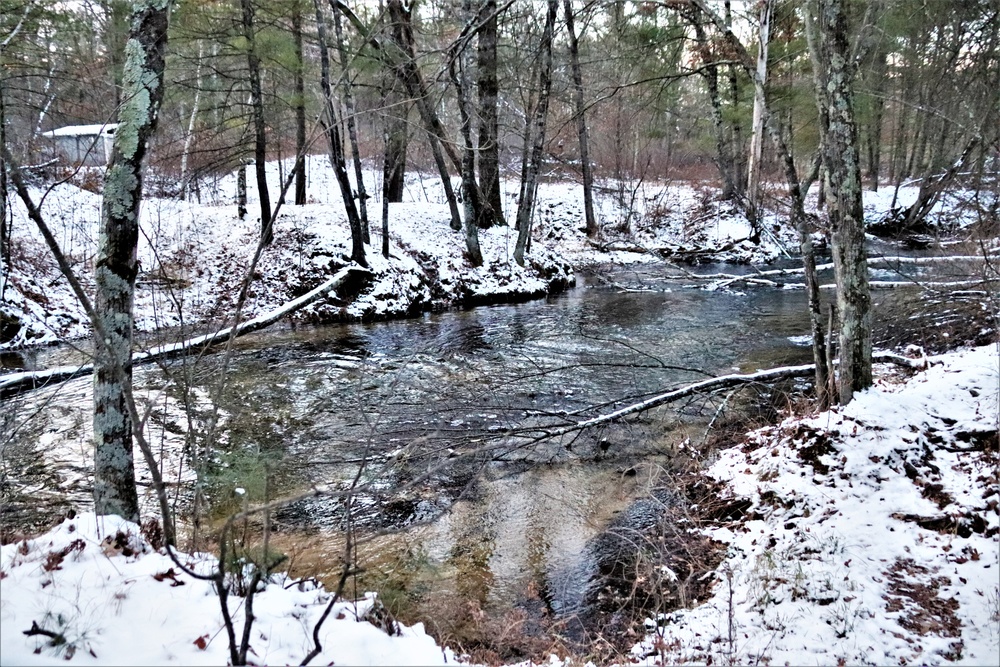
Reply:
x=53, y=561
x=916, y=593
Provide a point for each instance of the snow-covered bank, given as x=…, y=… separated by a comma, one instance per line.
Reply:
x=194, y=256
x=193, y=259
x=100, y=595
x=872, y=537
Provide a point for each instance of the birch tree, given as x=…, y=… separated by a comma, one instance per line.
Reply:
x=116, y=267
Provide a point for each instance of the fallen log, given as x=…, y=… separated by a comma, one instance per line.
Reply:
x=721, y=382
x=16, y=383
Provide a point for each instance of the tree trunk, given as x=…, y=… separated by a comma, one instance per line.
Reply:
x=489, y=120
x=115, y=267
x=527, y=202
x=352, y=130
x=834, y=91
x=823, y=370
x=739, y=151
x=189, y=137
x=332, y=128
x=4, y=227
x=259, y=129
x=300, y=107
x=757, y=132
x=241, y=191
x=581, y=123
x=459, y=63
x=405, y=67
x=875, y=124
x=710, y=72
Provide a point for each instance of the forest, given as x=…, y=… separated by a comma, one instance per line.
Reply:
x=499, y=332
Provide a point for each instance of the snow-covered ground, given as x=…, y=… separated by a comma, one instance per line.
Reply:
x=872, y=538
x=103, y=596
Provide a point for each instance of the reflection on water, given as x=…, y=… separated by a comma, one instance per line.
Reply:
x=451, y=384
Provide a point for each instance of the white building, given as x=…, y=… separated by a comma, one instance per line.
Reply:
x=87, y=145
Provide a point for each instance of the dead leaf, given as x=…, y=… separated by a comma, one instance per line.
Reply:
x=201, y=642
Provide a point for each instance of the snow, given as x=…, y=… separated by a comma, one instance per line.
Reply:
x=873, y=532
x=134, y=606
x=831, y=565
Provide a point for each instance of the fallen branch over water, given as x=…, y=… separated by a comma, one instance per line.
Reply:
x=722, y=280
x=15, y=383
x=721, y=382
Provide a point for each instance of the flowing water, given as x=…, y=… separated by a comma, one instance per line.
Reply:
x=428, y=416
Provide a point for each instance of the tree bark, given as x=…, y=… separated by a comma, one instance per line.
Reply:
x=757, y=131
x=710, y=72
x=833, y=73
x=527, y=202
x=332, y=128
x=581, y=123
x=4, y=227
x=405, y=67
x=489, y=119
x=822, y=369
x=189, y=137
x=459, y=62
x=300, y=107
x=352, y=130
x=116, y=267
x=259, y=128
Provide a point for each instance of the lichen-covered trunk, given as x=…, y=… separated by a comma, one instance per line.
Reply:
x=116, y=267
x=841, y=158
x=581, y=122
x=538, y=140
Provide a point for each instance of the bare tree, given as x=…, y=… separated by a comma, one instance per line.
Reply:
x=525, y=206
x=260, y=131
x=581, y=122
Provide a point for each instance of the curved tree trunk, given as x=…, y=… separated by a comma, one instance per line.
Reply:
x=331, y=125
x=405, y=67
x=352, y=130
x=459, y=63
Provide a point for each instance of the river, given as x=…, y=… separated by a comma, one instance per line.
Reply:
x=436, y=405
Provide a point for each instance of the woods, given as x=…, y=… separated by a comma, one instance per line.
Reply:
x=411, y=157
